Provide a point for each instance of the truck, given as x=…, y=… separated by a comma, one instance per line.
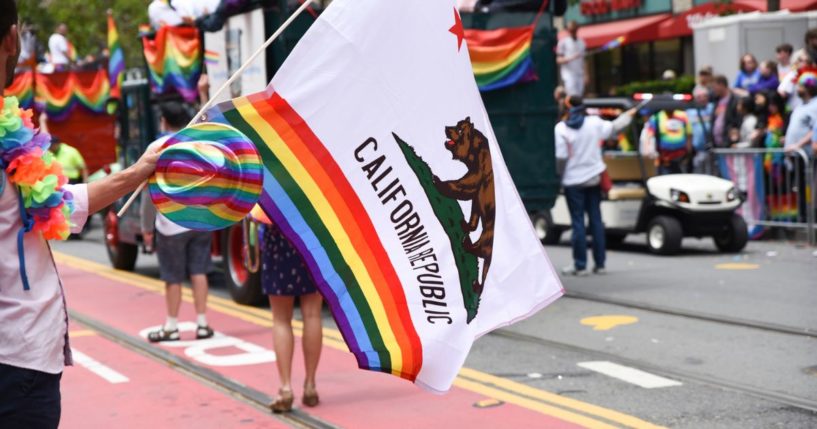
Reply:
x=523, y=117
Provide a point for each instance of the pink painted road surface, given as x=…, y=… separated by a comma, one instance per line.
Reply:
x=157, y=396
x=135, y=391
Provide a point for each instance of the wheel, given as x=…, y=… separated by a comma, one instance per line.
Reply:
x=122, y=255
x=664, y=235
x=734, y=236
x=614, y=239
x=244, y=286
x=545, y=230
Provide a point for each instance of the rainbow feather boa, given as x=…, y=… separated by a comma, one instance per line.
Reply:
x=24, y=156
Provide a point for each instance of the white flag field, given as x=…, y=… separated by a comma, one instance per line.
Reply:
x=381, y=167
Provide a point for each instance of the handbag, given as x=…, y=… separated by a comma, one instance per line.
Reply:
x=606, y=182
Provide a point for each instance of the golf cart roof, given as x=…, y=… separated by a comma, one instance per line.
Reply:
x=654, y=102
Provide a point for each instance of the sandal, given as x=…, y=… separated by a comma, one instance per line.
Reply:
x=204, y=332
x=310, y=398
x=161, y=335
x=283, y=403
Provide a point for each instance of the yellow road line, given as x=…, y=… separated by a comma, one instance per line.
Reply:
x=82, y=333
x=552, y=398
x=531, y=404
x=476, y=381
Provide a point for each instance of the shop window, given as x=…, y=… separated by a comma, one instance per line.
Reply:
x=668, y=55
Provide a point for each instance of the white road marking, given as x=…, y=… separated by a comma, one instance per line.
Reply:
x=630, y=375
x=98, y=368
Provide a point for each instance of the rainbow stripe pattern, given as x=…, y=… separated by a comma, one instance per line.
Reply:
x=307, y=195
x=116, y=63
x=72, y=52
x=211, y=57
x=23, y=88
x=174, y=60
x=208, y=177
x=63, y=92
x=501, y=58
x=615, y=43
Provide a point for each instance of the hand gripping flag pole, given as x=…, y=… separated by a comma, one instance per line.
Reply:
x=226, y=85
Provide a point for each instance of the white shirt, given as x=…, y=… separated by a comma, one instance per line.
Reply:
x=569, y=47
x=164, y=225
x=160, y=13
x=788, y=88
x=33, y=323
x=195, y=8
x=58, y=49
x=581, y=149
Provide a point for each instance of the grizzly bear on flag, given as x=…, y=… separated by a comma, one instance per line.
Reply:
x=470, y=146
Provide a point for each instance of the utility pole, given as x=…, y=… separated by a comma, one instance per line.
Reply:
x=773, y=5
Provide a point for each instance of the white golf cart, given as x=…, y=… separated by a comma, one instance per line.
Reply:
x=667, y=208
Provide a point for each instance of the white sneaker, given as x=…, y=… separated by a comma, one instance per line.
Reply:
x=599, y=270
x=572, y=271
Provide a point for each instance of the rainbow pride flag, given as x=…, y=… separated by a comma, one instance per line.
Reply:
x=174, y=59
x=63, y=92
x=388, y=180
x=502, y=57
x=23, y=88
x=116, y=63
x=211, y=57
x=72, y=52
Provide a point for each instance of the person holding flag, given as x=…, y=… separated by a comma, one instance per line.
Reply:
x=61, y=51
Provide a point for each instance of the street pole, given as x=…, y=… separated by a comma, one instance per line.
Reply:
x=773, y=5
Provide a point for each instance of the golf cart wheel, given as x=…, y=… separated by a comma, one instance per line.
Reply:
x=122, y=255
x=545, y=230
x=734, y=237
x=664, y=235
x=244, y=286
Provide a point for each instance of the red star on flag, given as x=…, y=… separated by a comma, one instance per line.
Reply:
x=457, y=29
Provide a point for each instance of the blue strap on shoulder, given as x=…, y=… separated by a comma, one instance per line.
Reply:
x=28, y=224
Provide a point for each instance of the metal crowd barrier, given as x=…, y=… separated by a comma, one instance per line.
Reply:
x=788, y=186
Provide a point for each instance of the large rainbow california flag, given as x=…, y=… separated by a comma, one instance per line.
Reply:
x=380, y=165
x=116, y=63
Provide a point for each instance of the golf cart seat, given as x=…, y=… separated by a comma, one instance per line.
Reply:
x=627, y=176
x=618, y=193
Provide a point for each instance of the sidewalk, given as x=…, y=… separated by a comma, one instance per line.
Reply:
x=129, y=305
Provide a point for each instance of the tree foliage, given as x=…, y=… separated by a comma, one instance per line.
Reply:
x=87, y=23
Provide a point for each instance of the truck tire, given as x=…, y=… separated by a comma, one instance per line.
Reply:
x=244, y=286
x=122, y=255
x=545, y=230
x=664, y=235
x=734, y=238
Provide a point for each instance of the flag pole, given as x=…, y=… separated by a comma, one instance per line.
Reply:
x=224, y=86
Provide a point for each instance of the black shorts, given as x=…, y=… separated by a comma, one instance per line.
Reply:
x=183, y=255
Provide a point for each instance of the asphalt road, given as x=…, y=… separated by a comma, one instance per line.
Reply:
x=722, y=341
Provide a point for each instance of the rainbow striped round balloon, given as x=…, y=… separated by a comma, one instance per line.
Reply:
x=208, y=177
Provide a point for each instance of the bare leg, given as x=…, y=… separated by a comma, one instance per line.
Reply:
x=313, y=335
x=282, y=337
x=199, y=282
x=173, y=298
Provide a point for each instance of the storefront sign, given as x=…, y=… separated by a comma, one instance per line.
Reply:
x=604, y=7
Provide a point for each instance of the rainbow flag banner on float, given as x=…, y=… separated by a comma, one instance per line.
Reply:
x=174, y=59
x=116, y=62
x=380, y=165
x=501, y=57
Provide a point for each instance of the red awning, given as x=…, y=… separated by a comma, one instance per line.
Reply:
x=678, y=25
x=634, y=30
x=792, y=5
